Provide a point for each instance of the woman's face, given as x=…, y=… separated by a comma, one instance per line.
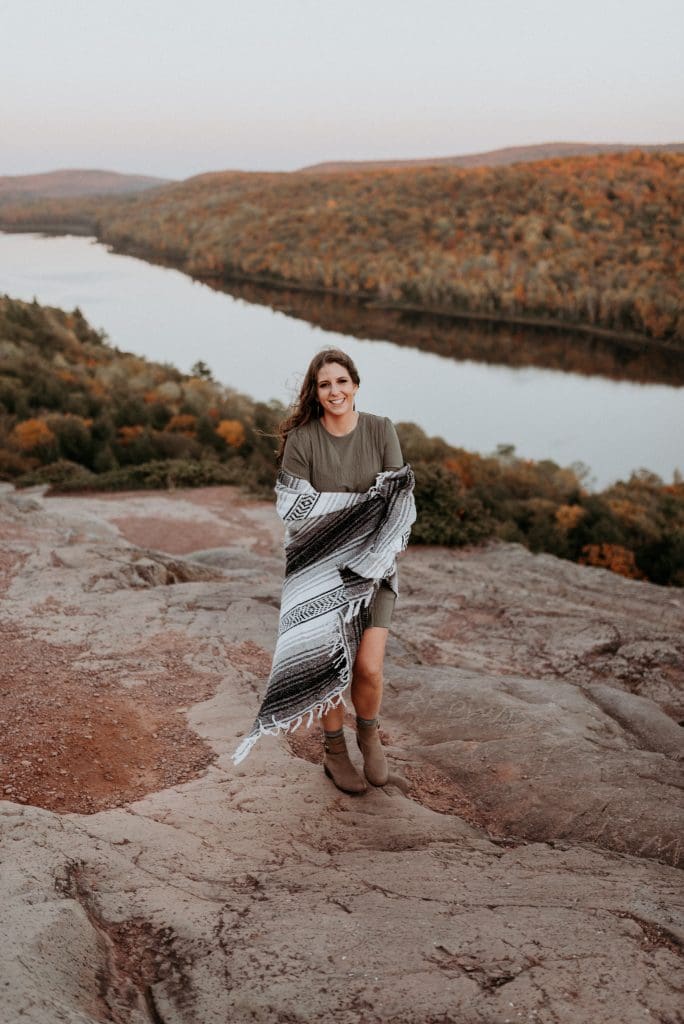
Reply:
x=336, y=389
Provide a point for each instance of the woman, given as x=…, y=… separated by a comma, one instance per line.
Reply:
x=347, y=501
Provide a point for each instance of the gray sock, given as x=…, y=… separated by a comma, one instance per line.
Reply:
x=335, y=734
x=366, y=723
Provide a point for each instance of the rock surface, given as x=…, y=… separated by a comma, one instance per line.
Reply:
x=522, y=864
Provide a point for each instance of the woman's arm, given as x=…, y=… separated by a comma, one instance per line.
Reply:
x=296, y=460
x=392, y=457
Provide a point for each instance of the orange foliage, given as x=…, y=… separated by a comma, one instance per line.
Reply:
x=182, y=423
x=128, y=434
x=568, y=516
x=32, y=434
x=628, y=511
x=612, y=556
x=66, y=376
x=232, y=432
x=462, y=468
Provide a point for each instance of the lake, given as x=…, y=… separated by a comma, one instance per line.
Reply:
x=611, y=426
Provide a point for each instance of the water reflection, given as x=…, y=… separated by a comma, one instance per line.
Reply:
x=503, y=345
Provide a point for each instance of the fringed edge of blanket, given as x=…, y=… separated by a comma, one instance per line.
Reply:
x=341, y=663
x=281, y=728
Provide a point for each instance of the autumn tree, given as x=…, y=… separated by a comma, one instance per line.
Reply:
x=232, y=432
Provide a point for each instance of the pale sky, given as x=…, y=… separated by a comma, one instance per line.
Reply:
x=178, y=87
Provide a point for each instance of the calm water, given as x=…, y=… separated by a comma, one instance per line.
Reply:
x=612, y=427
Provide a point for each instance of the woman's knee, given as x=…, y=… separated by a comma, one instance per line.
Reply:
x=370, y=659
x=368, y=672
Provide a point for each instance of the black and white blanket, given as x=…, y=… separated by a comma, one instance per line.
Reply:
x=338, y=548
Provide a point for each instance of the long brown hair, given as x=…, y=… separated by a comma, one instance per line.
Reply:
x=307, y=406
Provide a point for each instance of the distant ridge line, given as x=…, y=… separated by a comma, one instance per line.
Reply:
x=495, y=157
x=76, y=182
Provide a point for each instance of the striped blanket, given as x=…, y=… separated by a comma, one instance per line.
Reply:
x=338, y=548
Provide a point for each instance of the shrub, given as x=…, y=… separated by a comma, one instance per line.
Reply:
x=13, y=465
x=130, y=412
x=104, y=460
x=662, y=560
x=158, y=475
x=13, y=398
x=447, y=513
x=74, y=439
x=60, y=474
x=133, y=446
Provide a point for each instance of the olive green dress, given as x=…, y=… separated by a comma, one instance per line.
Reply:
x=347, y=463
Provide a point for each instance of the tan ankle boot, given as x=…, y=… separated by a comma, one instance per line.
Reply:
x=375, y=765
x=339, y=768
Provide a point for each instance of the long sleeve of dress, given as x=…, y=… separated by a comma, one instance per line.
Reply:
x=392, y=457
x=295, y=458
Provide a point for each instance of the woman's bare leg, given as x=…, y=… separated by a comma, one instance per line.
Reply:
x=367, y=697
x=336, y=761
x=332, y=720
x=366, y=690
x=366, y=694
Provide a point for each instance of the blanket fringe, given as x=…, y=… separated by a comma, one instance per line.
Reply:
x=280, y=728
x=355, y=607
x=244, y=748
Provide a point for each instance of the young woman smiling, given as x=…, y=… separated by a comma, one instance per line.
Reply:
x=336, y=449
x=346, y=499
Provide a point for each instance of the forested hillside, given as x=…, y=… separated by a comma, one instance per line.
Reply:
x=589, y=242
x=76, y=412
x=81, y=415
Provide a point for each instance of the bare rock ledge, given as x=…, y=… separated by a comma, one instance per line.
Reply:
x=523, y=864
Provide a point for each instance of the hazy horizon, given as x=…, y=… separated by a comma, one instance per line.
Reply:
x=172, y=90
x=397, y=156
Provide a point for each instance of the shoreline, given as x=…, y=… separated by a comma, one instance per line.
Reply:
x=628, y=340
